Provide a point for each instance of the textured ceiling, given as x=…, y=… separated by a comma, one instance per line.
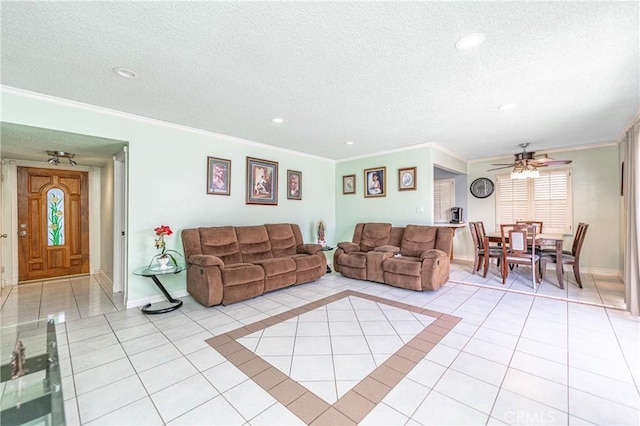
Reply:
x=382, y=74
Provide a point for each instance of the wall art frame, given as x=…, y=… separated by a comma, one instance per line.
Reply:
x=375, y=182
x=218, y=176
x=262, y=182
x=294, y=185
x=349, y=184
x=407, y=179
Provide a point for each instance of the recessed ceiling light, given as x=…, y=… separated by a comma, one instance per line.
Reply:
x=126, y=73
x=507, y=107
x=349, y=143
x=469, y=41
x=277, y=120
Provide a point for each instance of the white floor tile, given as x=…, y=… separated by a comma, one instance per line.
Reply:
x=249, y=399
x=515, y=409
x=224, y=376
x=183, y=396
x=601, y=411
x=438, y=409
x=108, y=398
x=383, y=415
x=167, y=374
x=141, y=412
x=468, y=390
x=406, y=397
x=536, y=388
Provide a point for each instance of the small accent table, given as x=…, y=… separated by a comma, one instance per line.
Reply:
x=154, y=272
x=327, y=248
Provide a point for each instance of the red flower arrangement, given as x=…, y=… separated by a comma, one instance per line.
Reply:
x=160, y=244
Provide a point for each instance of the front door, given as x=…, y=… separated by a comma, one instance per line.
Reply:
x=53, y=223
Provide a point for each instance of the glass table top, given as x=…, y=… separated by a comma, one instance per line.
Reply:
x=30, y=385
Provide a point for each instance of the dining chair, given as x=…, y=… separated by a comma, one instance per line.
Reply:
x=517, y=242
x=538, y=224
x=568, y=257
x=482, y=251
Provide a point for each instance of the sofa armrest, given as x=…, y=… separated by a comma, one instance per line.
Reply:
x=432, y=254
x=205, y=260
x=388, y=248
x=349, y=247
x=308, y=248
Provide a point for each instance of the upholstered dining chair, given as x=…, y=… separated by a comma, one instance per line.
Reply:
x=482, y=252
x=516, y=250
x=568, y=257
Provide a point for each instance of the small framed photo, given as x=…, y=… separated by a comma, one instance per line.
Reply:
x=349, y=184
x=262, y=181
x=218, y=176
x=294, y=185
x=375, y=182
x=407, y=179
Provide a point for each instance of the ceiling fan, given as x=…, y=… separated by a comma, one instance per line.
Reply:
x=526, y=163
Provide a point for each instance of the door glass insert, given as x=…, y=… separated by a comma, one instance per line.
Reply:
x=55, y=198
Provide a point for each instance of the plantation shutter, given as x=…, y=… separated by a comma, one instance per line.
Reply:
x=443, y=199
x=551, y=201
x=546, y=198
x=512, y=200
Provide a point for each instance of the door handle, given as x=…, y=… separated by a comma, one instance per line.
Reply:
x=23, y=233
x=3, y=236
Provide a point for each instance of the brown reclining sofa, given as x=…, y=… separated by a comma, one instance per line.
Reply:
x=227, y=264
x=414, y=257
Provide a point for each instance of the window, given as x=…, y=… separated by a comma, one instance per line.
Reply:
x=546, y=198
x=443, y=199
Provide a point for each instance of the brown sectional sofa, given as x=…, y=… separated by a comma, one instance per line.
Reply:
x=227, y=264
x=414, y=257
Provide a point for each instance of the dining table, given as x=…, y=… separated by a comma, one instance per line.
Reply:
x=542, y=239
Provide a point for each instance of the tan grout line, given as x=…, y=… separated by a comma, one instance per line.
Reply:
x=359, y=401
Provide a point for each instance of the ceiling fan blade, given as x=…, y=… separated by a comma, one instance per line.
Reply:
x=551, y=162
x=500, y=168
x=503, y=164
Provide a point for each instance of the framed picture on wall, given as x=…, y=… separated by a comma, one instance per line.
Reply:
x=294, y=185
x=407, y=179
x=349, y=184
x=375, y=182
x=262, y=181
x=218, y=176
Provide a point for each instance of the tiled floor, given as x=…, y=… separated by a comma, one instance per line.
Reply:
x=513, y=358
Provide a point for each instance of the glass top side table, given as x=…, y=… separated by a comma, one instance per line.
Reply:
x=154, y=272
x=30, y=384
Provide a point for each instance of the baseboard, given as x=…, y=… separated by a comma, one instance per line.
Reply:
x=552, y=266
x=155, y=299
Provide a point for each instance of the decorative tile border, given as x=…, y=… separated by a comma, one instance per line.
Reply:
x=358, y=402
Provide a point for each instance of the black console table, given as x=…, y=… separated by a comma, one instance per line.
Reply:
x=154, y=272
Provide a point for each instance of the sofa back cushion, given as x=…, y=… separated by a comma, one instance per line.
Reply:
x=417, y=239
x=374, y=235
x=282, y=238
x=221, y=241
x=254, y=243
x=395, y=238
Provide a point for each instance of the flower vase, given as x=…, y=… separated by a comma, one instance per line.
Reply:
x=163, y=262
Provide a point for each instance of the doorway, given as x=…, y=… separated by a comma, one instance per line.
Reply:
x=53, y=223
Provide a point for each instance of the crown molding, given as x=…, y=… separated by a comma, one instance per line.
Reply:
x=141, y=119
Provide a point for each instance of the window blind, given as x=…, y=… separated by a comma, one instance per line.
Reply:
x=443, y=199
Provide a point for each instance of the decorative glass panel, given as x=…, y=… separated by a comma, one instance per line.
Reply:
x=55, y=217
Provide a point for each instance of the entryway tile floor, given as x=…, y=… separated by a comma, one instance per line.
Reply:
x=512, y=358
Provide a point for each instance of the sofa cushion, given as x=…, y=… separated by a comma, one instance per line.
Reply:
x=305, y=262
x=282, y=239
x=417, y=239
x=254, y=243
x=403, y=265
x=353, y=260
x=221, y=241
x=374, y=235
x=242, y=273
x=276, y=266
